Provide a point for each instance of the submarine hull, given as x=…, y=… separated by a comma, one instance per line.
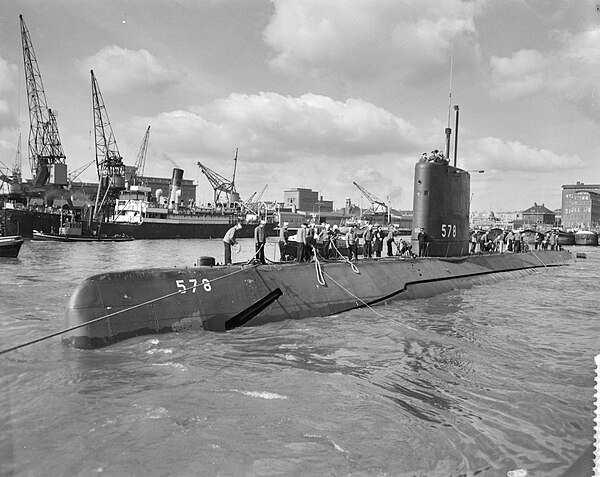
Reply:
x=111, y=307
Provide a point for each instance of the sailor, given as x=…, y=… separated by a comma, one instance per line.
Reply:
x=260, y=240
x=230, y=240
x=335, y=233
x=368, y=238
x=301, y=242
x=351, y=243
x=423, y=239
x=283, y=239
x=473, y=242
x=390, y=241
x=402, y=247
x=423, y=157
x=378, y=241
x=326, y=234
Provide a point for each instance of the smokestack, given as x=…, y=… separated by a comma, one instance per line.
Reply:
x=175, y=191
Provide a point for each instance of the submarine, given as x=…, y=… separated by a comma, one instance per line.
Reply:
x=114, y=306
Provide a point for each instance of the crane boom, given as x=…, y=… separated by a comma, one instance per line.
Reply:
x=45, y=148
x=109, y=163
x=219, y=183
x=17, y=169
x=375, y=201
x=140, y=162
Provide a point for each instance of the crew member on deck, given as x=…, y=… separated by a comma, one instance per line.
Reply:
x=423, y=239
x=351, y=243
x=230, y=240
x=260, y=240
x=283, y=239
x=301, y=242
x=390, y=241
x=368, y=238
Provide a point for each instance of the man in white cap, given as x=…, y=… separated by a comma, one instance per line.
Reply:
x=283, y=239
x=230, y=240
x=260, y=240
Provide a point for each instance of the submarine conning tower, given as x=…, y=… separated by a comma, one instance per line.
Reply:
x=441, y=207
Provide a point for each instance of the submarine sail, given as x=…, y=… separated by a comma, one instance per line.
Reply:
x=441, y=208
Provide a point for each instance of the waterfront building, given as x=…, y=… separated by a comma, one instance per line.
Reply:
x=306, y=200
x=538, y=217
x=581, y=206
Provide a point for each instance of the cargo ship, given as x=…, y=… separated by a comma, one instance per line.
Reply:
x=138, y=215
x=114, y=306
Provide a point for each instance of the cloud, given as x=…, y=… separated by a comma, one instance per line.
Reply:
x=9, y=74
x=120, y=70
x=570, y=72
x=270, y=127
x=361, y=40
x=523, y=73
x=307, y=141
x=496, y=154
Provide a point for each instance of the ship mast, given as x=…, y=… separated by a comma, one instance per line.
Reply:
x=109, y=163
x=45, y=148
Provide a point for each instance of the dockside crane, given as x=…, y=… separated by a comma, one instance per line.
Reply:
x=220, y=184
x=109, y=163
x=45, y=148
x=17, y=168
x=140, y=162
x=376, y=203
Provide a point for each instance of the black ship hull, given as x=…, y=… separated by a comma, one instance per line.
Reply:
x=23, y=222
x=121, y=305
x=175, y=230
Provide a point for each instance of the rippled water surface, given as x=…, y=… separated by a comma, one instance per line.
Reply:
x=473, y=382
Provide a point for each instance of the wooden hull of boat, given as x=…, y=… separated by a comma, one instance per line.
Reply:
x=140, y=302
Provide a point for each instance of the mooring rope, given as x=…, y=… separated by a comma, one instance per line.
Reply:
x=255, y=256
x=364, y=302
x=318, y=268
x=110, y=315
x=354, y=267
x=535, y=255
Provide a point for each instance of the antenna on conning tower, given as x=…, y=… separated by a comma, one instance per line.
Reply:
x=448, y=130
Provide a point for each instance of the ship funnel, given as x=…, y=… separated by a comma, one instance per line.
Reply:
x=175, y=191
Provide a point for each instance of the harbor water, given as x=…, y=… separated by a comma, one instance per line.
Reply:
x=475, y=382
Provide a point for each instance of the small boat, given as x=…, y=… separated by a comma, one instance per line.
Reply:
x=565, y=238
x=10, y=246
x=586, y=237
x=37, y=235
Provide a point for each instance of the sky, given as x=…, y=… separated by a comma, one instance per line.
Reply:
x=319, y=94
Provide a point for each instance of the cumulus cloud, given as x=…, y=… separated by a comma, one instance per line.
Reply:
x=270, y=127
x=492, y=153
x=9, y=74
x=523, y=73
x=280, y=137
x=359, y=40
x=570, y=72
x=120, y=70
